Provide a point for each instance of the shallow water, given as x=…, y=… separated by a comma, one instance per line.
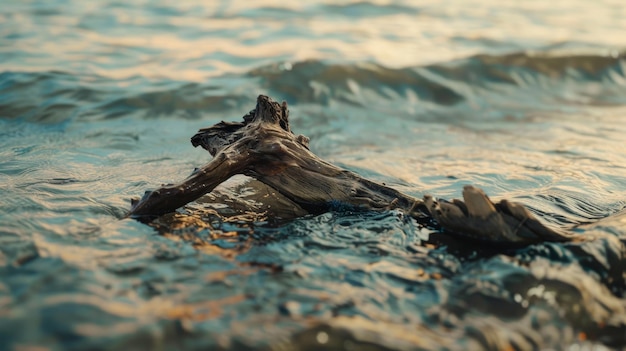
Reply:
x=98, y=101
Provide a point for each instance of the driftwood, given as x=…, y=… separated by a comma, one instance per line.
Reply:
x=263, y=147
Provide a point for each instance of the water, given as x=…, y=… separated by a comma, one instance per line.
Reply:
x=98, y=101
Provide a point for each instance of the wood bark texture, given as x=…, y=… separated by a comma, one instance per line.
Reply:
x=264, y=147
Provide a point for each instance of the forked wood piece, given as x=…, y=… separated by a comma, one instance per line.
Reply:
x=505, y=222
x=263, y=147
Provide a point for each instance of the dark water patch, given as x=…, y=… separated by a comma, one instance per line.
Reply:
x=511, y=69
x=185, y=102
x=309, y=81
x=264, y=12
x=16, y=250
x=47, y=97
x=90, y=297
x=501, y=288
x=365, y=9
x=57, y=97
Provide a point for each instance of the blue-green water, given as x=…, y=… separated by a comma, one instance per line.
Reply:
x=98, y=100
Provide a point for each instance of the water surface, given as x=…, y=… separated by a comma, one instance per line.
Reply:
x=98, y=101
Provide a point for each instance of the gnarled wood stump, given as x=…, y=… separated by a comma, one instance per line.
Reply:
x=264, y=148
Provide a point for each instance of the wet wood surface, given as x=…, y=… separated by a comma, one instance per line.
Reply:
x=263, y=147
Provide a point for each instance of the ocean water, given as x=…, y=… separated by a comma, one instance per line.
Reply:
x=98, y=100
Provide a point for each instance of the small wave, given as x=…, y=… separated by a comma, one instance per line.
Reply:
x=56, y=97
x=49, y=97
x=511, y=68
x=316, y=81
x=443, y=84
x=191, y=100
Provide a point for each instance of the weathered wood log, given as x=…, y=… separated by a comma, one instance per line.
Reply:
x=264, y=148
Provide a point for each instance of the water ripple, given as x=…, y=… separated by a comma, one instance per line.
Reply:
x=97, y=104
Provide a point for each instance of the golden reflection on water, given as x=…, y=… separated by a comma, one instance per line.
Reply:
x=197, y=220
x=205, y=310
x=190, y=43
